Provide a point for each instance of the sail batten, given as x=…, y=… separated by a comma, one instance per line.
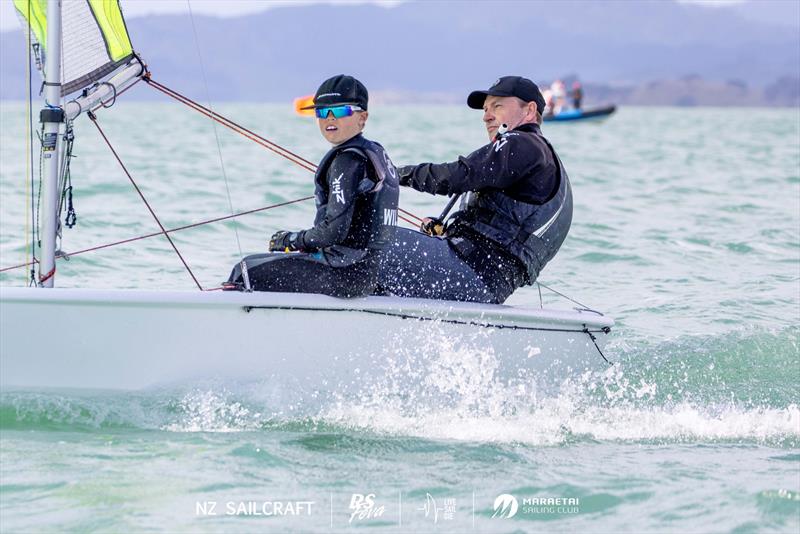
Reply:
x=95, y=38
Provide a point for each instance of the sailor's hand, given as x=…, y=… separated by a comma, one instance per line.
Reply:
x=283, y=241
x=404, y=174
x=432, y=226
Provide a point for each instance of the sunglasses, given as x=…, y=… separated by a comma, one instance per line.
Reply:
x=338, y=111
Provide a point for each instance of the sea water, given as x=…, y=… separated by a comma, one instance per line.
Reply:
x=686, y=231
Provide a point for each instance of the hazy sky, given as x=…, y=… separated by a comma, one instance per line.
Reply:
x=219, y=8
x=235, y=8
x=232, y=8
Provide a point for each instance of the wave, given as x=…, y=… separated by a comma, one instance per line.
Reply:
x=736, y=387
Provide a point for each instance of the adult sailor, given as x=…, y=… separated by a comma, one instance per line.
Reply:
x=356, y=194
x=515, y=213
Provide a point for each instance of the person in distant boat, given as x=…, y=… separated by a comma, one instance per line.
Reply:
x=356, y=190
x=559, y=96
x=577, y=95
x=516, y=208
x=547, y=94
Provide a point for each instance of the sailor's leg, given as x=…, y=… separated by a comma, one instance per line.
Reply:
x=306, y=273
x=417, y=265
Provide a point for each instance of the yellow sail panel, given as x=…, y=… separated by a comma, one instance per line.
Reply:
x=115, y=33
x=94, y=38
x=35, y=13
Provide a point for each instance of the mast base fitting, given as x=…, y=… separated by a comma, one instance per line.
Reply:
x=51, y=115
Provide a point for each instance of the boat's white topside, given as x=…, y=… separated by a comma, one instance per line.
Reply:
x=422, y=308
x=132, y=339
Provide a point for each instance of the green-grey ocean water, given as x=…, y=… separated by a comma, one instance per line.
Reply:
x=686, y=231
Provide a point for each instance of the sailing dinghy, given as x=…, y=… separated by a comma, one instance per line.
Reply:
x=167, y=337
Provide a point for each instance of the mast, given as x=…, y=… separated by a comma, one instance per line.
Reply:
x=51, y=118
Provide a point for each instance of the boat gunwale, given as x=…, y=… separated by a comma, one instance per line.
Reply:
x=406, y=308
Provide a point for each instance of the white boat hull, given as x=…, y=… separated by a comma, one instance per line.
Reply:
x=116, y=339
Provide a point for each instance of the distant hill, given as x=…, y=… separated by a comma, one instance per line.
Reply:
x=693, y=90
x=643, y=51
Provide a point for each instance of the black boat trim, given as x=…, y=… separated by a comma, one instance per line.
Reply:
x=584, y=330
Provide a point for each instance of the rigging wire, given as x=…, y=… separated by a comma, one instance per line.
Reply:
x=214, y=125
x=169, y=231
x=65, y=186
x=71, y=218
x=93, y=117
x=583, y=306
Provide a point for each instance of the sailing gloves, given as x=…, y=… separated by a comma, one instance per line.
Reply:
x=283, y=241
x=432, y=226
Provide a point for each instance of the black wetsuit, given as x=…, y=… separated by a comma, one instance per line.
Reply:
x=356, y=195
x=516, y=215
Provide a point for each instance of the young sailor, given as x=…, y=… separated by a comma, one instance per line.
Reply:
x=515, y=213
x=356, y=195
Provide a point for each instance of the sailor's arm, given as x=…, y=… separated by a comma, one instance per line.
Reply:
x=344, y=174
x=496, y=165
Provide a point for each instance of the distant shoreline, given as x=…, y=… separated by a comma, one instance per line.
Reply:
x=686, y=92
x=424, y=103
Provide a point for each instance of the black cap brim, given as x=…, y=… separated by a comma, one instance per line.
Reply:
x=476, y=99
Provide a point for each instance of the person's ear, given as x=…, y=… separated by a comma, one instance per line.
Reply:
x=362, y=118
x=532, y=109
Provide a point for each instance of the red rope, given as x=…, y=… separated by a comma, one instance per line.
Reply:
x=35, y=261
x=291, y=156
x=48, y=276
x=419, y=219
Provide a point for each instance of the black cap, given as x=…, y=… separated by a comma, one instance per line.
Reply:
x=522, y=88
x=339, y=90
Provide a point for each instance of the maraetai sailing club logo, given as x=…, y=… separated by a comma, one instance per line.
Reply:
x=505, y=506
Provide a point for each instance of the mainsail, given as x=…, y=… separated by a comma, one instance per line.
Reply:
x=95, y=39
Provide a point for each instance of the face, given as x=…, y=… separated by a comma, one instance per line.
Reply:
x=337, y=131
x=508, y=110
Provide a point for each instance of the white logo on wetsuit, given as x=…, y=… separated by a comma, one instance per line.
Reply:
x=337, y=188
x=500, y=143
x=389, y=165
